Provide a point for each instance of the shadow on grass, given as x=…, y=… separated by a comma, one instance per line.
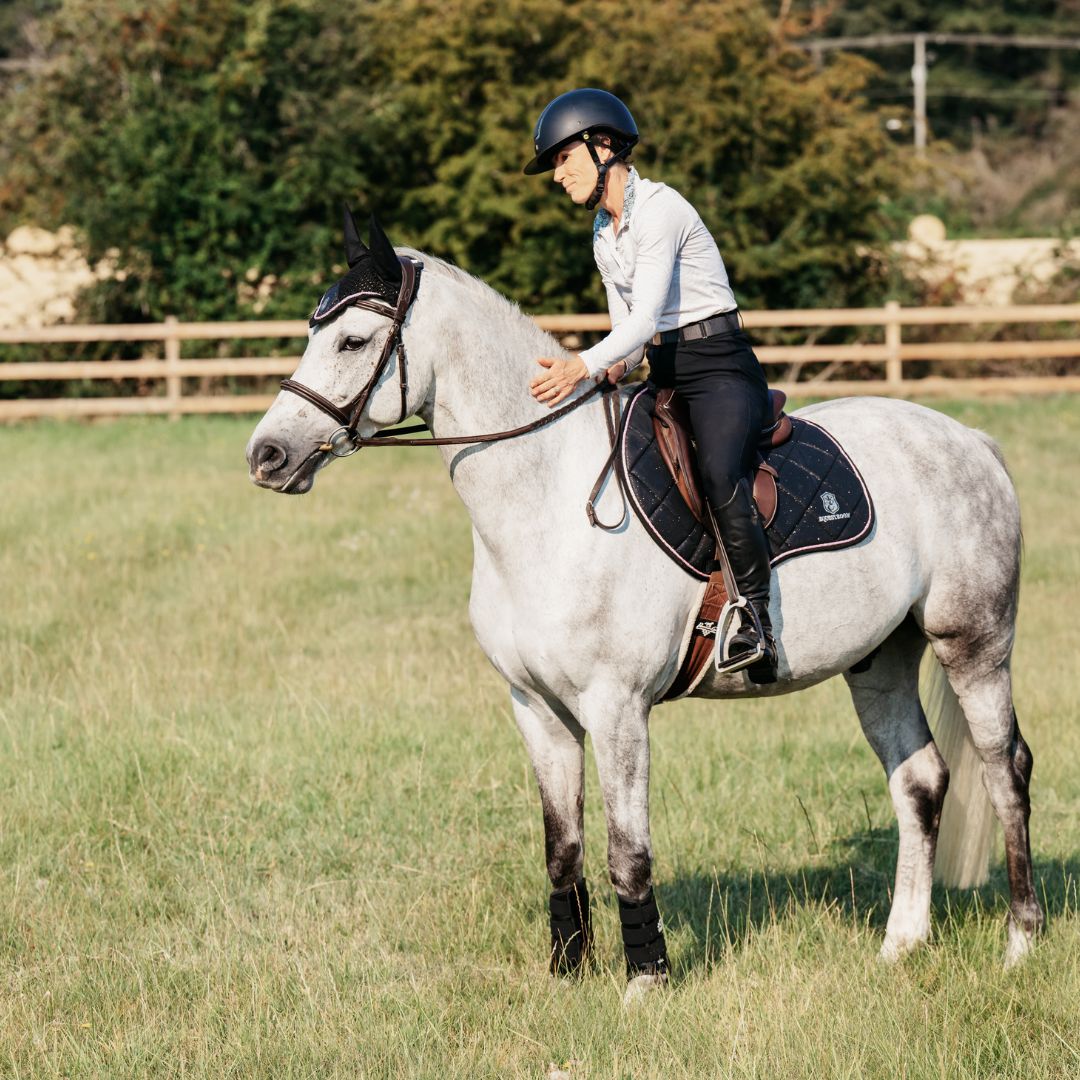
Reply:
x=855, y=884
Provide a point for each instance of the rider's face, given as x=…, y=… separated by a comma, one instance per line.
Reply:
x=575, y=171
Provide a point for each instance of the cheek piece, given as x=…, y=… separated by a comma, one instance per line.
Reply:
x=601, y=169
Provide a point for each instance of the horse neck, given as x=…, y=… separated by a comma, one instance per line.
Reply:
x=482, y=352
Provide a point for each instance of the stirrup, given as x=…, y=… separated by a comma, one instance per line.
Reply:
x=723, y=661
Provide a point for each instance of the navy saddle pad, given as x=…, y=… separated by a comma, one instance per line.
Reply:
x=822, y=502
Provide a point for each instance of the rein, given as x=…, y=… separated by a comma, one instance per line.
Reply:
x=390, y=438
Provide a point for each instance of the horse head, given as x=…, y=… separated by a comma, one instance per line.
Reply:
x=351, y=380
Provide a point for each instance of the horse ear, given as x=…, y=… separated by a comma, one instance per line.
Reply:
x=355, y=248
x=382, y=251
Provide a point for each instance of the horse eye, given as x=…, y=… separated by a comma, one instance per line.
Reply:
x=353, y=343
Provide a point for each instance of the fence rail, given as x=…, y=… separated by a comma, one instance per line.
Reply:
x=172, y=369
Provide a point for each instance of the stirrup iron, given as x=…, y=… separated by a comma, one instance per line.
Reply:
x=723, y=661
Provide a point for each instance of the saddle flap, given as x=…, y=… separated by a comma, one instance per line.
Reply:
x=765, y=491
x=671, y=423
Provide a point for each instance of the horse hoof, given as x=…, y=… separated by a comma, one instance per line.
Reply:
x=1020, y=945
x=895, y=949
x=641, y=987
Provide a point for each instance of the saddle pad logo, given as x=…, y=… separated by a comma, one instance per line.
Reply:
x=832, y=506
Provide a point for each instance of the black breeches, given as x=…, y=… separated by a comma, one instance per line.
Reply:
x=724, y=387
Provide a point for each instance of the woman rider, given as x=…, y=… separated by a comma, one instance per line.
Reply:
x=666, y=284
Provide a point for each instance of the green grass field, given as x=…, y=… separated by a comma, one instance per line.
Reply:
x=264, y=811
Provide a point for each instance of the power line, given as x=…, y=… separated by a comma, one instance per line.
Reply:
x=919, y=67
x=873, y=41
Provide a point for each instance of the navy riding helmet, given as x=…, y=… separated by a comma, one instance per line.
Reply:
x=583, y=114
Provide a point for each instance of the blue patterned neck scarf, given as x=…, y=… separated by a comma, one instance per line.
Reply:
x=603, y=218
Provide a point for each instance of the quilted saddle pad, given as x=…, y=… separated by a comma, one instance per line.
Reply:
x=822, y=502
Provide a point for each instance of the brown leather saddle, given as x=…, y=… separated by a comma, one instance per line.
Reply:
x=671, y=424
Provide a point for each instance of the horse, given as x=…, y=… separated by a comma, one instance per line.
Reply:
x=586, y=625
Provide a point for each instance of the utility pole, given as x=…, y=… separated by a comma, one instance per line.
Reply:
x=919, y=68
x=918, y=80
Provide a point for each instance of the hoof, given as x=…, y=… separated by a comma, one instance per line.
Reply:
x=641, y=986
x=895, y=949
x=1019, y=946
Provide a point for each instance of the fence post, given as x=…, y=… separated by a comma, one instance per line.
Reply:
x=173, y=388
x=894, y=369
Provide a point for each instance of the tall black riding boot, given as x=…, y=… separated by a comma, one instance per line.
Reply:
x=748, y=552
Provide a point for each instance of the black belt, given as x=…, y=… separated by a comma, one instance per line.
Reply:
x=725, y=322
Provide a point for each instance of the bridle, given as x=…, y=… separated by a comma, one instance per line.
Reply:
x=347, y=440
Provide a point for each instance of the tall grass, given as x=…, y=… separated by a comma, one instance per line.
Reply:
x=263, y=810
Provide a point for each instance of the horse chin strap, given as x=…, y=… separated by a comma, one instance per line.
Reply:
x=601, y=170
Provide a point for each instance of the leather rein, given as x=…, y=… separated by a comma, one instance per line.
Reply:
x=347, y=440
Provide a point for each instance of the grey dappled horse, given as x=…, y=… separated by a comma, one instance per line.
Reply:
x=586, y=625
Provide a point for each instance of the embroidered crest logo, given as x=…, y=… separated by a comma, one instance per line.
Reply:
x=828, y=500
x=706, y=628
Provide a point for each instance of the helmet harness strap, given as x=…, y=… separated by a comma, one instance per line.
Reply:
x=601, y=169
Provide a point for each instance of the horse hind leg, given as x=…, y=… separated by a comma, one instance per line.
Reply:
x=969, y=615
x=981, y=680
x=886, y=697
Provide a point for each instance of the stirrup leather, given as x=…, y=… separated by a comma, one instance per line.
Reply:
x=723, y=661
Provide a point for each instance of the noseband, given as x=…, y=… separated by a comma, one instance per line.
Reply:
x=346, y=440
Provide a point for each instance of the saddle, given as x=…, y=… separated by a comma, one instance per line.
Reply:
x=809, y=494
x=671, y=425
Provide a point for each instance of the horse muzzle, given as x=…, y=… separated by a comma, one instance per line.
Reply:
x=272, y=466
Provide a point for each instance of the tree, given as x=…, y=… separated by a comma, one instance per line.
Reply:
x=212, y=138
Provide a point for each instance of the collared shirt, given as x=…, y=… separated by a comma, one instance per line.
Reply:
x=662, y=270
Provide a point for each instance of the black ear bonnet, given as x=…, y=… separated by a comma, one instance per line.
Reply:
x=374, y=272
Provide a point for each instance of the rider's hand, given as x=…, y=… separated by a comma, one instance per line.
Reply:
x=558, y=380
x=616, y=371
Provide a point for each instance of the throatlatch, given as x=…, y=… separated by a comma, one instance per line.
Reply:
x=643, y=937
x=571, y=928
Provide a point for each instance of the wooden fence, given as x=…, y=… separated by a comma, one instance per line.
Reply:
x=170, y=370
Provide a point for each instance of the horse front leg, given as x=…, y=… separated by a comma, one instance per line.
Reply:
x=555, y=743
x=619, y=728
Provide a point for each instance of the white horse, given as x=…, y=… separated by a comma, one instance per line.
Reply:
x=586, y=626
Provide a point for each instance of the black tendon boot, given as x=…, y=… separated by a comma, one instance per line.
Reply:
x=748, y=552
x=571, y=929
x=643, y=937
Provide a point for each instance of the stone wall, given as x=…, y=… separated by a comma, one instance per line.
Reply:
x=41, y=273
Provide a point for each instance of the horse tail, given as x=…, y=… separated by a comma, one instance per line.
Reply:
x=966, y=833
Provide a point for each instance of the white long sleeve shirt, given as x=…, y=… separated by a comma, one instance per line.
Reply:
x=661, y=271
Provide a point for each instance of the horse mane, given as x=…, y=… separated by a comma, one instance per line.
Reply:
x=499, y=311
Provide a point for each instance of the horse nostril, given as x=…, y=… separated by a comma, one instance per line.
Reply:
x=269, y=458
